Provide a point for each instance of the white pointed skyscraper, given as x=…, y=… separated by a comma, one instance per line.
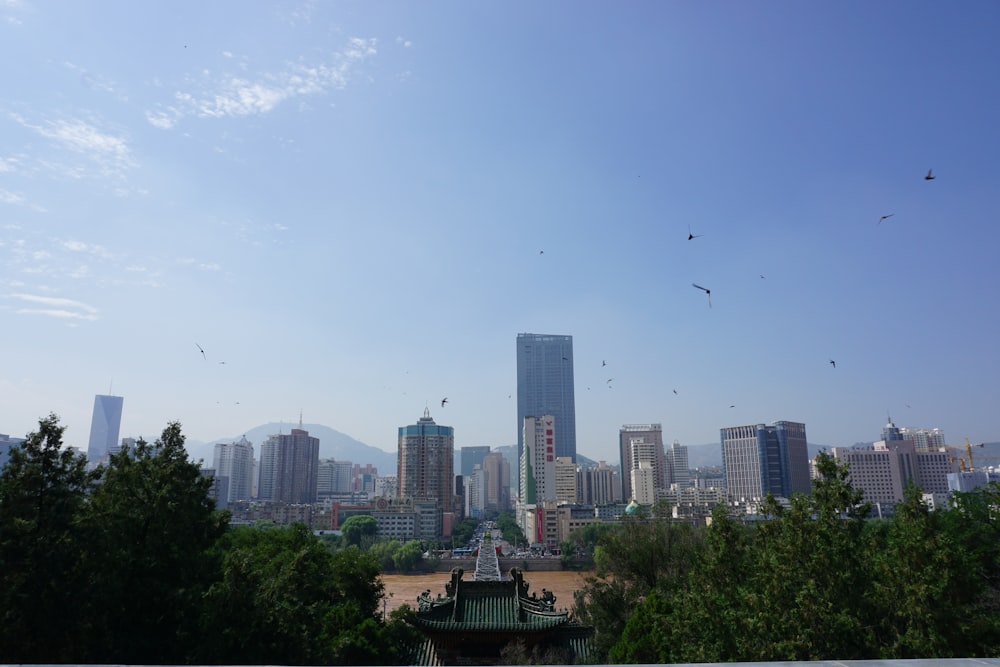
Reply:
x=105, y=426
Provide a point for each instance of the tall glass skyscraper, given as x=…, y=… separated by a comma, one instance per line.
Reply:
x=104, y=428
x=545, y=387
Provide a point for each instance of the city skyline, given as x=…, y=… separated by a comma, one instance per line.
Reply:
x=266, y=191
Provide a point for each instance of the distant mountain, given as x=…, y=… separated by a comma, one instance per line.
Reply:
x=332, y=444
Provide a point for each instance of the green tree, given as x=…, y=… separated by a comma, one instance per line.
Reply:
x=286, y=599
x=150, y=526
x=463, y=531
x=384, y=550
x=511, y=531
x=42, y=494
x=640, y=556
x=936, y=593
x=359, y=531
x=408, y=556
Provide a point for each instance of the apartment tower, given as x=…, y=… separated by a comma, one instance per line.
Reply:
x=426, y=462
x=234, y=461
x=646, y=438
x=289, y=465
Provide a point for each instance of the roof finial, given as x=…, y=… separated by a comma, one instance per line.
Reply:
x=300, y=418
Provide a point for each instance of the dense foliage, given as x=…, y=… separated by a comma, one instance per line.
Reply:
x=131, y=563
x=816, y=580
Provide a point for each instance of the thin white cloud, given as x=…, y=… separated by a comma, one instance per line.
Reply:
x=58, y=307
x=51, y=312
x=95, y=82
x=109, y=151
x=405, y=43
x=210, y=266
x=92, y=249
x=236, y=96
x=8, y=197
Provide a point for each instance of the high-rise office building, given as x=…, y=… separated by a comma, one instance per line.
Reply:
x=289, y=465
x=234, y=461
x=651, y=437
x=678, y=471
x=883, y=470
x=545, y=387
x=599, y=485
x=761, y=459
x=426, y=462
x=334, y=477
x=538, y=462
x=104, y=428
x=497, y=472
x=471, y=457
x=566, y=493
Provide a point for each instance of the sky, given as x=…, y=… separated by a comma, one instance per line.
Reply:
x=353, y=208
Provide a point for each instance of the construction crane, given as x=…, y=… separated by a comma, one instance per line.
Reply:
x=965, y=462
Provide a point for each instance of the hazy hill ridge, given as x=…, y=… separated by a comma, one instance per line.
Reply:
x=332, y=444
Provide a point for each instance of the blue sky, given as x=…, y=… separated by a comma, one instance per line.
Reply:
x=348, y=204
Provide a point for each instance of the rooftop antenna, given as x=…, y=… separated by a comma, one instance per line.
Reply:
x=300, y=418
x=110, y=385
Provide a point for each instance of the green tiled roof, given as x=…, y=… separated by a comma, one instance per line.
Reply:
x=487, y=605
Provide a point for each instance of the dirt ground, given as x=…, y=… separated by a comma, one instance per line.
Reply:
x=404, y=588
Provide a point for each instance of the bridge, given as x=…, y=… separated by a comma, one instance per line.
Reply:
x=487, y=564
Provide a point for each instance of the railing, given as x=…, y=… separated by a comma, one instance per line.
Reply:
x=487, y=564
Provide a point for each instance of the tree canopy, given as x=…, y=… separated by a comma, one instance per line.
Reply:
x=132, y=563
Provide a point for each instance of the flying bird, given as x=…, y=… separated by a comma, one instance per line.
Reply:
x=443, y=401
x=930, y=175
x=762, y=275
x=541, y=252
x=732, y=406
x=675, y=391
x=610, y=380
x=833, y=363
x=693, y=236
x=885, y=217
x=202, y=351
x=603, y=363
x=707, y=291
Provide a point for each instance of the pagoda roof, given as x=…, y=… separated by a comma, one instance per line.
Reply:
x=494, y=606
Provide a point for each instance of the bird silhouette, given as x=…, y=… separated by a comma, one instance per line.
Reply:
x=930, y=175
x=565, y=358
x=693, y=236
x=202, y=351
x=603, y=363
x=732, y=406
x=541, y=252
x=762, y=275
x=443, y=401
x=675, y=391
x=707, y=291
x=885, y=217
x=833, y=363
x=610, y=380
